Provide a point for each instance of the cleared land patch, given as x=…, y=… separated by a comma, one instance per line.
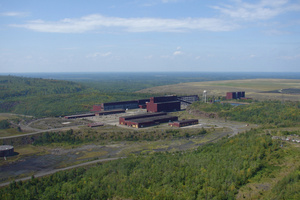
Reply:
x=254, y=88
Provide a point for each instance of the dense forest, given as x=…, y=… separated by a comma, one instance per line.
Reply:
x=265, y=112
x=78, y=137
x=214, y=171
x=43, y=97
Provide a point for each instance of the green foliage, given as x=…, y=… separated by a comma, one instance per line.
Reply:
x=4, y=124
x=12, y=86
x=52, y=137
x=265, y=112
x=214, y=171
x=42, y=97
x=288, y=187
x=79, y=137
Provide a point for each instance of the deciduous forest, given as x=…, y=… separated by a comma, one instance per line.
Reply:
x=214, y=171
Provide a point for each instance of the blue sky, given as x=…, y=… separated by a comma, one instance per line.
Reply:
x=149, y=35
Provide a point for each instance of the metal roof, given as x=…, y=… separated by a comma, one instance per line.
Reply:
x=5, y=147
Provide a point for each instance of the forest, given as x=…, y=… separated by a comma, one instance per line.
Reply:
x=44, y=97
x=72, y=137
x=270, y=113
x=250, y=165
x=214, y=171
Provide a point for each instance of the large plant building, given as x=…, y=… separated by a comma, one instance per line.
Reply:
x=120, y=105
x=148, y=119
x=163, y=104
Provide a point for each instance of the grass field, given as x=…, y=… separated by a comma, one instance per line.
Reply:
x=254, y=88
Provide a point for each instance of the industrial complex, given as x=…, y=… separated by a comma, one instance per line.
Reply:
x=156, y=107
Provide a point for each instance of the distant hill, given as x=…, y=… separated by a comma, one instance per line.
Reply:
x=13, y=86
x=46, y=97
x=261, y=89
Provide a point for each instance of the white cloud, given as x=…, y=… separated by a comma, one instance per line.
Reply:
x=97, y=54
x=98, y=22
x=265, y=9
x=14, y=14
x=176, y=53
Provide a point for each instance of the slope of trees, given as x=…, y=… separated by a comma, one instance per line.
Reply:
x=214, y=171
x=42, y=97
x=265, y=112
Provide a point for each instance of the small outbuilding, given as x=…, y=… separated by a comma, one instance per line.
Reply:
x=182, y=123
x=91, y=125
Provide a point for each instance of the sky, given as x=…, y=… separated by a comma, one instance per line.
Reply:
x=149, y=35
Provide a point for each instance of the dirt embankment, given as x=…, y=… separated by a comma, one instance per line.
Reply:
x=199, y=113
x=19, y=141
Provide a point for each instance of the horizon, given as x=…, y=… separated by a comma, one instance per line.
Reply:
x=150, y=35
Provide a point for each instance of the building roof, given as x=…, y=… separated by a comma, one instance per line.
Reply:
x=81, y=115
x=5, y=147
x=186, y=121
x=119, y=102
x=168, y=102
x=146, y=115
x=152, y=119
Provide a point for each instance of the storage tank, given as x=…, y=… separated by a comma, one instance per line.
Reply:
x=6, y=150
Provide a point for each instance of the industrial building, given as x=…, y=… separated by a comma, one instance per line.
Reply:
x=154, y=104
x=163, y=104
x=148, y=119
x=80, y=116
x=186, y=100
x=120, y=105
x=91, y=125
x=184, y=123
x=6, y=150
x=109, y=112
x=235, y=95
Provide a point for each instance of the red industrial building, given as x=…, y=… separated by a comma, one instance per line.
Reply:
x=184, y=123
x=149, y=119
x=91, y=125
x=163, y=104
x=235, y=95
x=96, y=108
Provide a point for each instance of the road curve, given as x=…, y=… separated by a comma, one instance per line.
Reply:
x=42, y=131
x=40, y=174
